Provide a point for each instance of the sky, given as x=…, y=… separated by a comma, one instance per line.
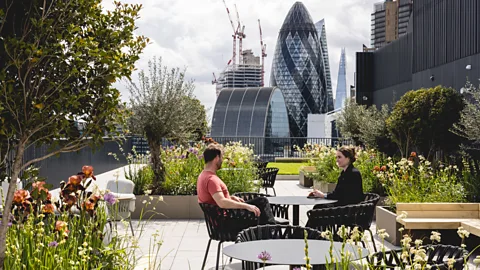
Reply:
x=197, y=35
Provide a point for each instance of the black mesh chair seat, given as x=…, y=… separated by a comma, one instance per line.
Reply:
x=279, y=211
x=224, y=225
x=267, y=232
x=437, y=257
x=349, y=215
x=268, y=176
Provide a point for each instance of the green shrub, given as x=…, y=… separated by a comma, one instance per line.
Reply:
x=141, y=176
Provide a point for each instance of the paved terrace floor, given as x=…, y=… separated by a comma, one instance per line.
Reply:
x=185, y=241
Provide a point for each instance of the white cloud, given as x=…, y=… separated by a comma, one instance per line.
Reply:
x=197, y=34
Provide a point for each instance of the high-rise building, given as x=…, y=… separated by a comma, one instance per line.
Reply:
x=341, y=93
x=390, y=21
x=298, y=69
x=322, y=35
x=246, y=74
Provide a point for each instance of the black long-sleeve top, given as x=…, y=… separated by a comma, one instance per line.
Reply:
x=349, y=189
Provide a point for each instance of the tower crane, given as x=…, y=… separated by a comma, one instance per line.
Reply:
x=235, y=33
x=264, y=52
x=241, y=35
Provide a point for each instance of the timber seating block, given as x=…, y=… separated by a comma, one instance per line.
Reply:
x=438, y=216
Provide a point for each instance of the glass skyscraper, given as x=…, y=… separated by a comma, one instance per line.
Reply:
x=341, y=93
x=322, y=35
x=298, y=69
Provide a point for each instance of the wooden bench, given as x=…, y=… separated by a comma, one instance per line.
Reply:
x=438, y=216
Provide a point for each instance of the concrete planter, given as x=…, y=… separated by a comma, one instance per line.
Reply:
x=304, y=180
x=324, y=186
x=289, y=177
x=172, y=207
x=386, y=219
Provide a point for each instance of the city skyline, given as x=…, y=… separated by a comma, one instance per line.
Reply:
x=182, y=36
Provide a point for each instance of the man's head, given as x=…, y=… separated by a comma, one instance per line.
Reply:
x=214, y=155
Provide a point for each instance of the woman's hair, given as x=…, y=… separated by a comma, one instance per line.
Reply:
x=213, y=150
x=348, y=152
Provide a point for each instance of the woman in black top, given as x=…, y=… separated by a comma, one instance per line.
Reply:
x=349, y=187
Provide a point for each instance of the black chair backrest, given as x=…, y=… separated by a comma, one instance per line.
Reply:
x=437, y=257
x=372, y=198
x=279, y=210
x=334, y=217
x=261, y=164
x=268, y=176
x=225, y=224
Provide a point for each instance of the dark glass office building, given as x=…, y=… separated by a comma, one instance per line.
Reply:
x=441, y=47
x=250, y=112
x=298, y=69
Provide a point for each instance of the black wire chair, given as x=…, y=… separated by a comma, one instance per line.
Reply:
x=266, y=232
x=261, y=164
x=224, y=225
x=279, y=211
x=333, y=218
x=268, y=176
x=369, y=198
x=437, y=257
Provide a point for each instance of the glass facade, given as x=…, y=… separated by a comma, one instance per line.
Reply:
x=298, y=69
x=341, y=93
x=250, y=112
x=322, y=35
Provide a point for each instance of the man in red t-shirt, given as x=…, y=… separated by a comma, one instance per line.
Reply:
x=211, y=189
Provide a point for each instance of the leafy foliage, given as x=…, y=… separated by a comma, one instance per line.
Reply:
x=163, y=107
x=58, y=60
x=421, y=121
x=469, y=124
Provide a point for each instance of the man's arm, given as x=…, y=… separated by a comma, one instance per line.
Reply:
x=226, y=203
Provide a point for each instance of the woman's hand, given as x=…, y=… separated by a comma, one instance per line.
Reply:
x=316, y=193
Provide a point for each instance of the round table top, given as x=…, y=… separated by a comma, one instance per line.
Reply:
x=292, y=251
x=298, y=200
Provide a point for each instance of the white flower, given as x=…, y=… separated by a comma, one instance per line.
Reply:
x=450, y=263
x=435, y=236
x=382, y=234
x=402, y=216
x=476, y=261
x=148, y=192
x=418, y=242
x=462, y=233
x=343, y=232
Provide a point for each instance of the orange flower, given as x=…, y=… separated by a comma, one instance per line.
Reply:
x=20, y=196
x=89, y=206
x=39, y=186
x=74, y=180
x=233, y=164
x=70, y=199
x=413, y=154
x=48, y=208
x=88, y=172
x=60, y=225
x=93, y=199
x=383, y=168
x=376, y=168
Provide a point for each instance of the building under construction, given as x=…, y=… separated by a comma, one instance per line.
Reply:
x=247, y=74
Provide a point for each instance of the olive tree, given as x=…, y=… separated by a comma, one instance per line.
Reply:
x=163, y=107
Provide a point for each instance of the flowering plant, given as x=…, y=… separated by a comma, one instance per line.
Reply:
x=415, y=180
x=64, y=232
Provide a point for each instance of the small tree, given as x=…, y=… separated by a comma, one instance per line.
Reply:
x=349, y=120
x=58, y=60
x=200, y=125
x=373, y=129
x=421, y=120
x=163, y=108
x=469, y=124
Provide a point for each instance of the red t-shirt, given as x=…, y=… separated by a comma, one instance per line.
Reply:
x=208, y=183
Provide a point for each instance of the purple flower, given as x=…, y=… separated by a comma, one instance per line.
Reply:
x=53, y=244
x=171, y=147
x=264, y=256
x=182, y=156
x=9, y=224
x=297, y=268
x=109, y=198
x=190, y=150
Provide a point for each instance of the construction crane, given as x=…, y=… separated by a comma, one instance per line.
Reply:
x=264, y=52
x=241, y=35
x=235, y=32
x=214, y=81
